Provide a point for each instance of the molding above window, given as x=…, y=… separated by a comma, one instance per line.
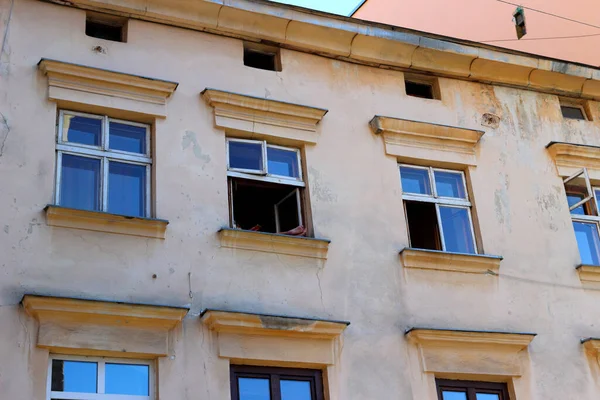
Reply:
x=99, y=328
x=275, y=340
x=255, y=117
x=274, y=243
x=447, y=261
x=78, y=84
x=105, y=222
x=470, y=352
x=414, y=140
x=570, y=158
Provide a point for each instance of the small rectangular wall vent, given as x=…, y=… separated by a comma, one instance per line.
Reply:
x=106, y=27
x=424, y=87
x=262, y=57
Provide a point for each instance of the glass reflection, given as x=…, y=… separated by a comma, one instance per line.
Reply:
x=82, y=130
x=254, y=389
x=282, y=162
x=487, y=396
x=415, y=180
x=127, y=138
x=74, y=376
x=447, y=395
x=295, y=390
x=80, y=182
x=573, y=199
x=127, y=379
x=449, y=184
x=126, y=189
x=244, y=155
x=588, y=242
x=456, y=227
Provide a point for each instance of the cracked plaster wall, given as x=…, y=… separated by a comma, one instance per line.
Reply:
x=355, y=200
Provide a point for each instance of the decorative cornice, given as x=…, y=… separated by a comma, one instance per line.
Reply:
x=274, y=243
x=271, y=325
x=258, y=116
x=81, y=84
x=361, y=41
x=469, y=353
x=570, y=157
x=446, y=261
x=105, y=222
x=411, y=140
x=102, y=328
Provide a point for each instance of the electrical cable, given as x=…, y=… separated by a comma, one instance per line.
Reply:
x=548, y=13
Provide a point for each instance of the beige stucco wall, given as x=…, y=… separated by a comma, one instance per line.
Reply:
x=355, y=199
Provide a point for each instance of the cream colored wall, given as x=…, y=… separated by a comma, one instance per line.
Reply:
x=356, y=202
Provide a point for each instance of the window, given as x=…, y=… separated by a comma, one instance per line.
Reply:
x=94, y=378
x=583, y=205
x=421, y=86
x=262, y=57
x=260, y=383
x=265, y=185
x=469, y=390
x=572, y=109
x=437, y=208
x=107, y=27
x=103, y=164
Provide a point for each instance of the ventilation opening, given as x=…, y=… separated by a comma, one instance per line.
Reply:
x=422, y=225
x=418, y=89
x=572, y=112
x=266, y=207
x=106, y=27
x=262, y=57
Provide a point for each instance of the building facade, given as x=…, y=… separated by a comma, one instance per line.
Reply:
x=215, y=200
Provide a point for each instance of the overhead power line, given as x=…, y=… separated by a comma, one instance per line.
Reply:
x=548, y=13
x=540, y=38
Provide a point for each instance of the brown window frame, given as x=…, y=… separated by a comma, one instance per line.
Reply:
x=274, y=374
x=471, y=388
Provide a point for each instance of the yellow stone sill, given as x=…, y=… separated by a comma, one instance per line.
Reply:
x=272, y=325
x=274, y=243
x=105, y=222
x=589, y=274
x=453, y=262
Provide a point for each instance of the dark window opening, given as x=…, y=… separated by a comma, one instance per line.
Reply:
x=471, y=390
x=266, y=207
x=248, y=382
x=418, y=89
x=262, y=59
x=107, y=28
x=572, y=112
x=422, y=225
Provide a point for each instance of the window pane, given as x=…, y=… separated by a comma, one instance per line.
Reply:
x=82, y=130
x=295, y=390
x=415, y=180
x=456, y=228
x=126, y=189
x=74, y=376
x=588, y=242
x=449, y=184
x=127, y=138
x=244, y=155
x=254, y=389
x=572, y=112
x=127, y=379
x=487, y=396
x=574, y=199
x=80, y=182
x=282, y=162
x=446, y=395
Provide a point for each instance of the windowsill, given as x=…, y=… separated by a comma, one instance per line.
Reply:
x=105, y=222
x=589, y=274
x=446, y=261
x=274, y=243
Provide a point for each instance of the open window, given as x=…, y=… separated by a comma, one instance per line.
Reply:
x=582, y=198
x=265, y=187
x=574, y=109
x=262, y=57
x=438, y=210
x=425, y=87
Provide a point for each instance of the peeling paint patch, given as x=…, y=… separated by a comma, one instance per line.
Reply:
x=320, y=190
x=288, y=324
x=4, y=131
x=6, y=229
x=189, y=139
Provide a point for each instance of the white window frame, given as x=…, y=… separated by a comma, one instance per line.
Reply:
x=100, y=383
x=263, y=174
x=105, y=155
x=587, y=219
x=439, y=200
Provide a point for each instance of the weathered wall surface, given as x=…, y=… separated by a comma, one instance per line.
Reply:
x=356, y=202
